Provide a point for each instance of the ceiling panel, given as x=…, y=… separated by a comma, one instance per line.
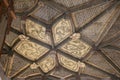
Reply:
x=46, y=13
x=95, y=29
x=84, y=16
x=30, y=50
x=24, y=5
x=76, y=48
x=62, y=30
x=37, y=31
x=71, y=3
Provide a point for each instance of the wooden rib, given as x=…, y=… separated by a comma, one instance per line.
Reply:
x=11, y=11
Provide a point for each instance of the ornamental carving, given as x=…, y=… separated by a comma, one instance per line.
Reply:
x=61, y=30
x=76, y=48
x=71, y=64
x=63, y=40
x=37, y=31
x=30, y=50
x=47, y=64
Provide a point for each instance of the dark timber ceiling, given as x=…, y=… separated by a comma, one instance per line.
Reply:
x=63, y=40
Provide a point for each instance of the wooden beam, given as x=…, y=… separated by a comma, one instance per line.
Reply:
x=10, y=9
x=6, y=16
x=3, y=27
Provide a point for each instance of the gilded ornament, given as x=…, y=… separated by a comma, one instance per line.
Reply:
x=68, y=63
x=61, y=30
x=37, y=31
x=76, y=48
x=47, y=64
x=30, y=50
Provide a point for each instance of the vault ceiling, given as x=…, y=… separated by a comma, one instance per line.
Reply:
x=63, y=40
